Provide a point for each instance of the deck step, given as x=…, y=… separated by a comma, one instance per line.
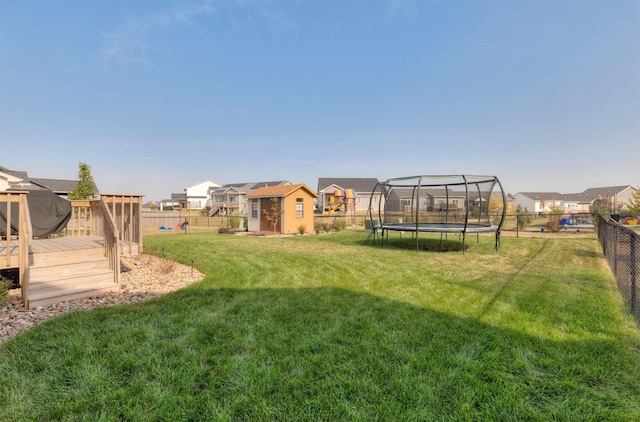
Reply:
x=61, y=257
x=83, y=276
x=59, y=276
x=67, y=288
x=67, y=295
x=52, y=270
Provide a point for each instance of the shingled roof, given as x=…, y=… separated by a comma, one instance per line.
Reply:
x=58, y=186
x=359, y=184
x=279, y=191
x=586, y=196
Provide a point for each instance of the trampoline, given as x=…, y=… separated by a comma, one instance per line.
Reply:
x=450, y=204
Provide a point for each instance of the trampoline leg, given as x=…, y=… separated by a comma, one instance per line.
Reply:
x=463, y=244
x=371, y=234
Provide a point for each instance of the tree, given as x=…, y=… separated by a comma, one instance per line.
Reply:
x=273, y=213
x=554, y=216
x=85, y=188
x=633, y=206
x=495, y=209
x=543, y=204
x=524, y=218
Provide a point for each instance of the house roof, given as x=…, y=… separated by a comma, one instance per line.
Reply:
x=606, y=192
x=11, y=179
x=436, y=193
x=246, y=187
x=19, y=174
x=57, y=185
x=205, y=183
x=539, y=195
x=279, y=191
x=587, y=196
x=359, y=184
x=178, y=196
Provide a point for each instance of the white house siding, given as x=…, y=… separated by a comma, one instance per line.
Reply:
x=197, y=195
x=624, y=197
x=527, y=204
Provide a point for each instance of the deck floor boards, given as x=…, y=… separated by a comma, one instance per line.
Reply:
x=66, y=243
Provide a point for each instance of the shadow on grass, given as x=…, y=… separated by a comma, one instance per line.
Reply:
x=587, y=253
x=300, y=354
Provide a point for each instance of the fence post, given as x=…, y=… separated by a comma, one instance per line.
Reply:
x=634, y=260
x=615, y=241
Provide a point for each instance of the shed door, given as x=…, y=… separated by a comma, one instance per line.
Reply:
x=266, y=207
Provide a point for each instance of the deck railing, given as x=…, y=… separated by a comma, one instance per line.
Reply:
x=105, y=224
x=125, y=211
x=15, y=204
x=115, y=218
x=127, y=215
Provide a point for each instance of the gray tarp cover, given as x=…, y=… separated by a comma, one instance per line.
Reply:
x=49, y=213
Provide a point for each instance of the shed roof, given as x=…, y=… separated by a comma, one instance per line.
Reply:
x=279, y=191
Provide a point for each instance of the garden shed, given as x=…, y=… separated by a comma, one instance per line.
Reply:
x=282, y=209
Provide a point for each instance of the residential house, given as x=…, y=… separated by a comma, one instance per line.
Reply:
x=292, y=205
x=194, y=197
x=60, y=187
x=612, y=199
x=231, y=198
x=10, y=179
x=400, y=199
x=537, y=202
x=364, y=189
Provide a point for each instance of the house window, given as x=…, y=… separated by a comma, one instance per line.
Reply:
x=254, y=208
x=299, y=207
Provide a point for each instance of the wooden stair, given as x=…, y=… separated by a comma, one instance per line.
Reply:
x=59, y=276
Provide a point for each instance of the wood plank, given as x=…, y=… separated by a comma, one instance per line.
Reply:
x=66, y=243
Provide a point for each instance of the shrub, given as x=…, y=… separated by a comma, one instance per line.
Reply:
x=167, y=266
x=339, y=225
x=234, y=221
x=524, y=218
x=323, y=227
x=553, y=218
x=302, y=229
x=5, y=285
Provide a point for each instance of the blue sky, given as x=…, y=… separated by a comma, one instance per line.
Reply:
x=159, y=95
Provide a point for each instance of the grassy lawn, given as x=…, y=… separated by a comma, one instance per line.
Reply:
x=324, y=328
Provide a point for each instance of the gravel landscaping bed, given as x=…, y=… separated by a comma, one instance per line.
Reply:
x=142, y=277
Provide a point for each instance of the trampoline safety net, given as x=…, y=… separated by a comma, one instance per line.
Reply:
x=441, y=204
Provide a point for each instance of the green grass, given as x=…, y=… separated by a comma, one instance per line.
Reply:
x=324, y=328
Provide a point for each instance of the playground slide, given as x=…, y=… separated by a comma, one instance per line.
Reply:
x=335, y=208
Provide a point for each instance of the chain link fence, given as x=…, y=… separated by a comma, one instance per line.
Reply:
x=621, y=248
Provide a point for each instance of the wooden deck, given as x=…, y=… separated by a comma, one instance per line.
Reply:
x=84, y=261
x=58, y=244
x=65, y=243
x=66, y=268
